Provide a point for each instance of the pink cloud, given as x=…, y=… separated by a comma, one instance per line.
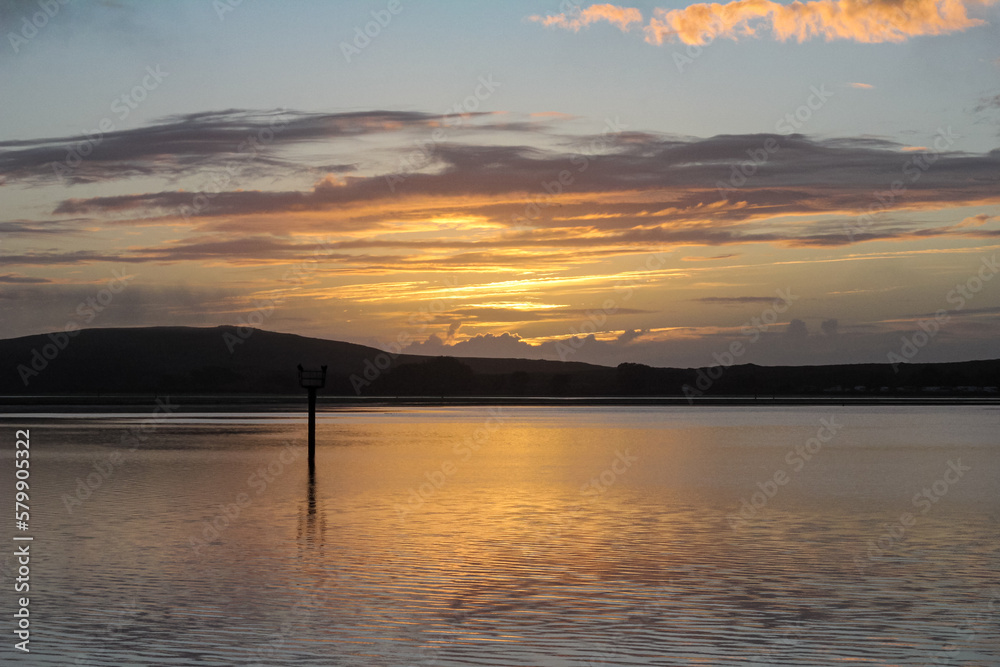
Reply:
x=622, y=17
x=858, y=20
x=869, y=21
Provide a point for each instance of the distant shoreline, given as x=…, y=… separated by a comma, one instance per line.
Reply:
x=292, y=403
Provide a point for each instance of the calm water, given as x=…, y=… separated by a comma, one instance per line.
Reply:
x=517, y=536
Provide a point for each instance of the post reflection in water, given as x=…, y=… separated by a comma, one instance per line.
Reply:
x=312, y=526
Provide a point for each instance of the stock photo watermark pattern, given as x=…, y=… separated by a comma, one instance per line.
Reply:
x=529, y=333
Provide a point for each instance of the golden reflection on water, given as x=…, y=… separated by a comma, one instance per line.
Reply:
x=528, y=537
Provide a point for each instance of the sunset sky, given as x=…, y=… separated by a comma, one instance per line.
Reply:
x=493, y=179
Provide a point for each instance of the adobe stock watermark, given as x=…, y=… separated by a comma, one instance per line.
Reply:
x=962, y=293
x=223, y=7
x=104, y=467
x=422, y=319
x=248, y=150
x=86, y=312
x=923, y=501
x=796, y=459
x=624, y=289
x=566, y=178
x=381, y=18
x=437, y=478
x=264, y=308
x=753, y=329
x=789, y=123
x=274, y=647
x=691, y=53
x=258, y=481
x=117, y=626
x=122, y=106
x=451, y=119
x=912, y=170
x=742, y=171
x=982, y=628
x=29, y=28
x=593, y=490
x=593, y=322
x=598, y=485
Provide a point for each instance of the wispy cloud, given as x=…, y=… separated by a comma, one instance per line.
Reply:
x=577, y=18
x=863, y=86
x=471, y=208
x=987, y=102
x=735, y=300
x=17, y=279
x=635, y=183
x=707, y=259
x=212, y=140
x=469, y=211
x=978, y=220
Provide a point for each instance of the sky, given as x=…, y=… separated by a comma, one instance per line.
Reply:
x=664, y=183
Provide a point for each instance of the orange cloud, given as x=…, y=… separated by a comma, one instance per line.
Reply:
x=977, y=220
x=330, y=181
x=867, y=21
x=623, y=17
x=864, y=86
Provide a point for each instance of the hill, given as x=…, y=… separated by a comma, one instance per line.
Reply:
x=228, y=360
x=225, y=360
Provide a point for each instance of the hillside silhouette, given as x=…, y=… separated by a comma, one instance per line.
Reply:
x=225, y=360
